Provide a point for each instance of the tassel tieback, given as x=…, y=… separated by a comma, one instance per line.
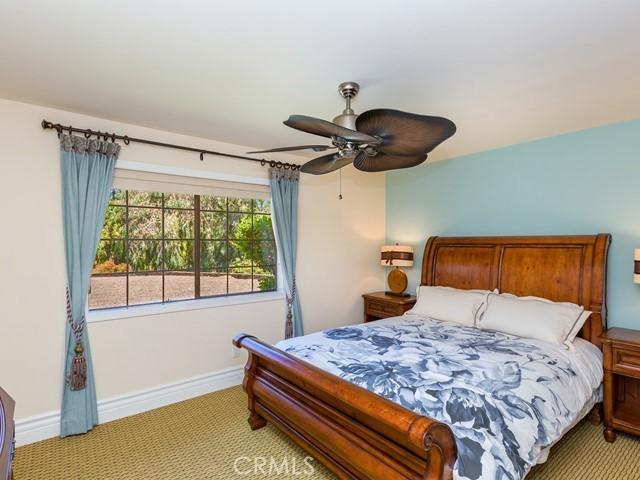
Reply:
x=78, y=375
x=288, y=327
x=77, y=378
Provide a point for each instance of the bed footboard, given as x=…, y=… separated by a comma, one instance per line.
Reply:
x=351, y=431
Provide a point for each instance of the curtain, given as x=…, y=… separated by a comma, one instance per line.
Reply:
x=284, y=200
x=87, y=175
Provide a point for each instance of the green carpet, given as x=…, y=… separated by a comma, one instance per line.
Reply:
x=200, y=439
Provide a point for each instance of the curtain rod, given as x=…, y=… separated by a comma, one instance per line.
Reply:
x=46, y=125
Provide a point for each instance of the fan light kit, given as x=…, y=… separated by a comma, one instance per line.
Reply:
x=374, y=141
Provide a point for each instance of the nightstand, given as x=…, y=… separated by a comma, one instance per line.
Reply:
x=379, y=305
x=621, y=382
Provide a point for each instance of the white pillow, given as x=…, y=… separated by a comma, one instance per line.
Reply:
x=577, y=327
x=477, y=290
x=450, y=304
x=533, y=317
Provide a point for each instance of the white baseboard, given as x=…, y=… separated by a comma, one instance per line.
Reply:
x=41, y=427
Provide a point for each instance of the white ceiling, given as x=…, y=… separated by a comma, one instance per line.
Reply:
x=504, y=71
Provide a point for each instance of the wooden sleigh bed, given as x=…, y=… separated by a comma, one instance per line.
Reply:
x=359, y=435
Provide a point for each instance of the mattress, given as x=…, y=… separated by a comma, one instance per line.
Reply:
x=507, y=399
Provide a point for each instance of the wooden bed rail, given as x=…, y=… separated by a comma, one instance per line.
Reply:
x=353, y=432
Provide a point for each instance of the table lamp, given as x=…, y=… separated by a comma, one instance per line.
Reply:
x=396, y=256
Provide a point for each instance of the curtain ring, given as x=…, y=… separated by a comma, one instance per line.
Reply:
x=278, y=164
x=262, y=162
x=88, y=133
x=272, y=164
x=286, y=166
x=126, y=140
x=202, y=156
x=59, y=130
x=113, y=137
x=70, y=130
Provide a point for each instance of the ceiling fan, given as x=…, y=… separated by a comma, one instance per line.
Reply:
x=375, y=141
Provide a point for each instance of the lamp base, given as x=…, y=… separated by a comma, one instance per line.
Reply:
x=397, y=281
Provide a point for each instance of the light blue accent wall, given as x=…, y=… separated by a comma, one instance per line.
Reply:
x=579, y=183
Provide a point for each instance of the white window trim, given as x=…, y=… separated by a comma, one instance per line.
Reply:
x=108, y=314
x=187, y=172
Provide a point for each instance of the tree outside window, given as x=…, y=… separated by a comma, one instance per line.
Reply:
x=164, y=247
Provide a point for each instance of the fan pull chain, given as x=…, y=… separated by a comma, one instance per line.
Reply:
x=340, y=195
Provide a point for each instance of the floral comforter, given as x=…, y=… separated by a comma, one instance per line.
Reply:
x=506, y=398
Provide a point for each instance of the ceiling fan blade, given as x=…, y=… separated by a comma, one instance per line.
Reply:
x=315, y=148
x=326, y=164
x=383, y=162
x=405, y=133
x=317, y=126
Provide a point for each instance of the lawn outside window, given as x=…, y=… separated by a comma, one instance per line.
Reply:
x=160, y=248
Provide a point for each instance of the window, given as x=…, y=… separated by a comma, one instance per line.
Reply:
x=163, y=247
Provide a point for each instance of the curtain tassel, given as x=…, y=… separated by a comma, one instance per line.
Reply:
x=78, y=375
x=288, y=326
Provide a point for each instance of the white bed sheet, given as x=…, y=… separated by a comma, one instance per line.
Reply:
x=588, y=361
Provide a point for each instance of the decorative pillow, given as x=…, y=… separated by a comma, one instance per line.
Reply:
x=533, y=317
x=450, y=304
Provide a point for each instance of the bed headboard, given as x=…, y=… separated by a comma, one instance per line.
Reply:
x=571, y=268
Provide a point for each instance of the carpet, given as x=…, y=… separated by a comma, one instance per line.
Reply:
x=208, y=438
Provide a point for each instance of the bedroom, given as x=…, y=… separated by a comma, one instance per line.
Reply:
x=174, y=251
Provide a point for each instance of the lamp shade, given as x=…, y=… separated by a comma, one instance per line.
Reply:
x=636, y=265
x=396, y=256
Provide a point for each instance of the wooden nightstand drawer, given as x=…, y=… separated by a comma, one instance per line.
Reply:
x=626, y=361
x=621, y=382
x=380, y=305
x=384, y=309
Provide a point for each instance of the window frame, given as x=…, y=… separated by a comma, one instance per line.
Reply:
x=150, y=309
x=198, y=301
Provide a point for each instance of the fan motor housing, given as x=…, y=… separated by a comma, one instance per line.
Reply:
x=347, y=118
x=348, y=89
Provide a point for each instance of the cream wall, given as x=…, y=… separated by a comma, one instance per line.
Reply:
x=338, y=242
